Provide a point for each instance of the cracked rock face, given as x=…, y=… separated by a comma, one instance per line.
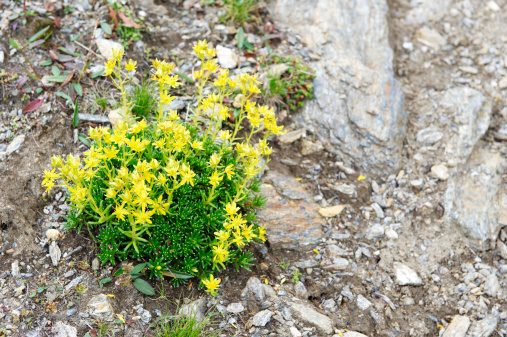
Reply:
x=292, y=220
x=358, y=110
x=475, y=202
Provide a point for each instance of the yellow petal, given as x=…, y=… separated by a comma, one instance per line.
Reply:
x=110, y=295
x=121, y=318
x=316, y=251
x=361, y=178
x=266, y=281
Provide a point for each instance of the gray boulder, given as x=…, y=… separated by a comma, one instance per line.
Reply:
x=474, y=200
x=358, y=110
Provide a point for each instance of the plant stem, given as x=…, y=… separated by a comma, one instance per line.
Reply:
x=89, y=49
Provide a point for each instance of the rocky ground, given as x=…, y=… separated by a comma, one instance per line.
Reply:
x=385, y=198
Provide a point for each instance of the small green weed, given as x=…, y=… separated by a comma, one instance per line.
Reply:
x=240, y=11
x=128, y=35
x=292, y=87
x=183, y=326
x=284, y=265
x=295, y=276
x=143, y=98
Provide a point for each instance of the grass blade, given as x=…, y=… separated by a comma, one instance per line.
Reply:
x=38, y=35
x=75, y=120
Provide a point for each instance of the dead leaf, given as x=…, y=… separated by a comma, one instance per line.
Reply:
x=58, y=22
x=33, y=105
x=21, y=82
x=112, y=13
x=128, y=21
x=36, y=43
x=53, y=55
x=67, y=80
x=50, y=6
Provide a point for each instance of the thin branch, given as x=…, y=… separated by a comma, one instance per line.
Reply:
x=89, y=50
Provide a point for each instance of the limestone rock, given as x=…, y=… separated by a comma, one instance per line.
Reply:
x=309, y=315
x=405, y=275
x=308, y=147
x=427, y=10
x=254, y=289
x=52, y=234
x=195, y=309
x=431, y=38
x=440, y=172
x=458, y=327
x=492, y=286
x=358, y=107
x=227, y=58
x=235, y=308
x=291, y=218
x=15, y=144
x=475, y=202
x=55, y=253
x=106, y=47
x=353, y=334
x=100, y=308
x=292, y=136
x=459, y=117
x=486, y=326
x=61, y=329
x=332, y=211
x=115, y=116
x=262, y=318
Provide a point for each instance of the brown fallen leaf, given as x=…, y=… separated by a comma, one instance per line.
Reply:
x=67, y=80
x=58, y=22
x=50, y=6
x=128, y=21
x=33, y=105
x=53, y=55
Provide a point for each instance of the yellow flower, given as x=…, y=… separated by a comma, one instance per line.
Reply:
x=210, y=65
x=187, y=175
x=136, y=144
x=214, y=160
x=238, y=240
x=220, y=253
x=165, y=98
x=173, y=115
x=120, y=212
x=211, y=284
x=197, y=145
x=131, y=65
x=237, y=221
x=143, y=216
x=142, y=198
x=198, y=74
x=162, y=179
x=118, y=53
x=138, y=127
x=56, y=161
x=109, y=67
x=262, y=233
x=172, y=81
x=159, y=206
x=225, y=135
x=110, y=152
x=222, y=235
x=215, y=179
x=231, y=209
x=228, y=170
x=248, y=233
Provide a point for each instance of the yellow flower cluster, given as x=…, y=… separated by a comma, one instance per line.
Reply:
x=138, y=187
